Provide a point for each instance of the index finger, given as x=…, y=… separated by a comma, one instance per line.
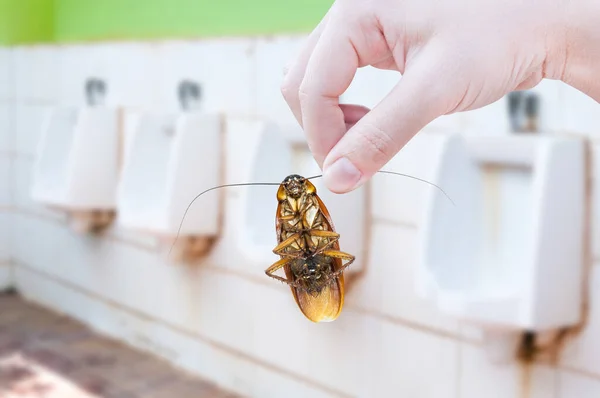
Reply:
x=329, y=72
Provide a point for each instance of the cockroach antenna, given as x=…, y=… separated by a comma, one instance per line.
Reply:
x=405, y=175
x=212, y=189
x=278, y=183
x=419, y=179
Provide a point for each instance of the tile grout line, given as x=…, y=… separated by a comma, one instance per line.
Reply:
x=579, y=372
x=15, y=154
x=415, y=326
x=12, y=134
x=556, y=383
x=189, y=333
x=394, y=223
x=459, y=370
x=62, y=222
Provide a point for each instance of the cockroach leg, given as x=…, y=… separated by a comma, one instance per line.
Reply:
x=276, y=267
x=340, y=255
x=324, y=234
x=279, y=249
x=344, y=256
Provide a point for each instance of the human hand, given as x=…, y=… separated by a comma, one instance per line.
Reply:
x=453, y=56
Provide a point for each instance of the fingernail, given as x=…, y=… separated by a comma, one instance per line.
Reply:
x=342, y=176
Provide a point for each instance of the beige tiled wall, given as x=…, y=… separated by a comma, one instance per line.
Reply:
x=6, y=159
x=226, y=320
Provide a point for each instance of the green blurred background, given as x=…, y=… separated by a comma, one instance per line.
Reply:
x=60, y=21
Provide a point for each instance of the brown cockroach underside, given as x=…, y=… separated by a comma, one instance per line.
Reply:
x=309, y=250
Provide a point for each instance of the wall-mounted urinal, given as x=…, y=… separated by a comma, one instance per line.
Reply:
x=509, y=255
x=169, y=159
x=76, y=166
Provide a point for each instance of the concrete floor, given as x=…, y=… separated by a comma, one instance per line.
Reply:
x=44, y=355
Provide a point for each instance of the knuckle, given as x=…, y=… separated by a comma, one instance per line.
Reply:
x=288, y=89
x=303, y=93
x=379, y=145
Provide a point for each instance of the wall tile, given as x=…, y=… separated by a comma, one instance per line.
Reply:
x=572, y=385
x=331, y=355
x=28, y=123
x=36, y=71
x=389, y=287
x=6, y=82
x=491, y=119
x=5, y=275
x=580, y=112
x=5, y=236
x=408, y=363
x=148, y=241
x=92, y=262
x=5, y=173
x=133, y=75
x=22, y=170
x=543, y=382
x=583, y=351
x=338, y=351
x=269, y=384
x=6, y=133
x=452, y=123
x=146, y=75
x=272, y=56
x=472, y=332
x=77, y=64
x=223, y=68
x=509, y=380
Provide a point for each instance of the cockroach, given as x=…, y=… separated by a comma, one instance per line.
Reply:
x=308, y=246
x=309, y=250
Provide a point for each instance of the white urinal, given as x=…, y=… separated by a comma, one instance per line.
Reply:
x=509, y=255
x=76, y=166
x=169, y=160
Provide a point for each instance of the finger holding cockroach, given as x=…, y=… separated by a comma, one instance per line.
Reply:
x=308, y=247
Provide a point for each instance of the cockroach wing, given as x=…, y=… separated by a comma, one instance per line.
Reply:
x=324, y=307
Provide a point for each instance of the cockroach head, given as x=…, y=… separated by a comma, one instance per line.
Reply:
x=294, y=185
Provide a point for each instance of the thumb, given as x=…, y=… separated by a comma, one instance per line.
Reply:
x=420, y=97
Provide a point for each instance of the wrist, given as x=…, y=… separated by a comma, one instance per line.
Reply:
x=577, y=53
